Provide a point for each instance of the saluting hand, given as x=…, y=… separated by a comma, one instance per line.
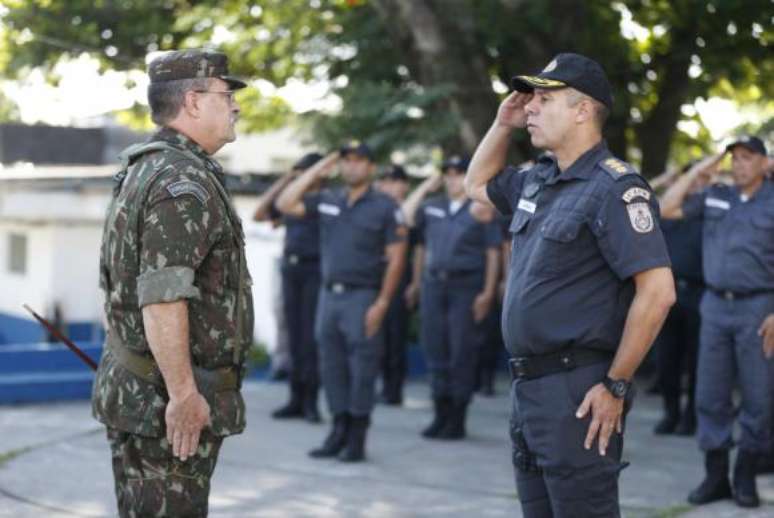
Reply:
x=606, y=416
x=374, y=317
x=511, y=112
x=767, y=332
x=185, y=419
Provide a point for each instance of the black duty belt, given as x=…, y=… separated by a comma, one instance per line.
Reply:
x=450, y=275
x=343, y=287
x=531, y=367
x=737, y=295
x=295, y=259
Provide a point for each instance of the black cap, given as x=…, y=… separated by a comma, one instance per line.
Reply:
x=307, y=161
x=570, y=70
x=396, y=173
x=457, y=162
x=358, y=148
x=752, y=143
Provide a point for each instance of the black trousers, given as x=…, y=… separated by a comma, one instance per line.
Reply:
x=395, y=361
x=560, y=478
x=300, y=290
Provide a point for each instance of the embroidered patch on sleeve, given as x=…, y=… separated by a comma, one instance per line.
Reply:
x=640, y=217
x=188, y=187
x=635, y=192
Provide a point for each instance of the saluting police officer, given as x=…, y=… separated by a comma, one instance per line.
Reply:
x=300, y=289
x=588, y=289
x=458, y=256
x=362, y=252
x=738, y=264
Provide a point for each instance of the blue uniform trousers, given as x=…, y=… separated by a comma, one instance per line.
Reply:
x=731, y=352
x=556, y=477
x=300, y=290
x=349, y=362
x=450, y=337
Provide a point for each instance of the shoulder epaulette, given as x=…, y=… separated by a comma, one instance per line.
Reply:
x=616, y=168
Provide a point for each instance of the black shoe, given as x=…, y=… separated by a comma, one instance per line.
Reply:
x=715, y=485
x=687, y=424
x=311, y=413
x=669, y=422
x=336, y=440
x=354, y=451
x=745, y=489
x=454, y=428
x=295, y=406
x=441, y=407
x=487, y=383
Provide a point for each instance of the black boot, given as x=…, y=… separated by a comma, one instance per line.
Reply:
x=715, y=485
x=441, y=408
x=668, y=423
x=687, y=424
x=766, y=464
x=311, y=413
x=745, y=489
x=487, y=382
x=294, y=407
x=354, y=451
x=455, y=424
x=336, y=439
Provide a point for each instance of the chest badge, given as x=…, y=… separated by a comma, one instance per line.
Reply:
x=640, y=217
x=531, y=190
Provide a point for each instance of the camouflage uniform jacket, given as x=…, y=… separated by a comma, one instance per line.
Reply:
x=186, y=244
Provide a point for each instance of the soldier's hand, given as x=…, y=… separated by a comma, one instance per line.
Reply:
x=411, y=295
x=606, y=416
x=511, y=112
x=767, y=332
x=375, y=316
x=481, y=306
x=185, y=419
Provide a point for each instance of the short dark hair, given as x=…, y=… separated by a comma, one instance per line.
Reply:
x=167, y=97
x=601, y=112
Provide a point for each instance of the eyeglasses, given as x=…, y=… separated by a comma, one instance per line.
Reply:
x=228, y=93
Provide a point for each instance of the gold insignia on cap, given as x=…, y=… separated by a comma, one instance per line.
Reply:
x=551, y=66
x=539, y=82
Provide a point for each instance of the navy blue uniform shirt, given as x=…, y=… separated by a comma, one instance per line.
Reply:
x=738, y=237
x=456, y=241
x=684, y=242
x=302, y=234
x=578, y=237
x=353, y=238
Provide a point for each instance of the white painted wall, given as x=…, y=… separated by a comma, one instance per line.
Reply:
x=274, y=151
x=33, y=287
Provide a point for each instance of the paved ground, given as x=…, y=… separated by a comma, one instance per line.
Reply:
x=54, y=462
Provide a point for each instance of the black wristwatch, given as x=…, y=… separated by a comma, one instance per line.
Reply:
x=618, y=388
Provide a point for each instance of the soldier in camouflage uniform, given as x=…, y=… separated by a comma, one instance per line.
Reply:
x=178, y=296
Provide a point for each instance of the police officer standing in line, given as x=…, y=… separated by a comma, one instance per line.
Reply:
x=362, y=253
x=739, y=271
x=677, y=345
x=589, y=286
x=766, y=331
x=178, y=299
x=395, y=183
x=300, y=289
x=458, y=255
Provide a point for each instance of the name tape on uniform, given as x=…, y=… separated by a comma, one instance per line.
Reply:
x=434, y=211
x=327, y=208
x=635, y=192
x=527, y=205
x=717, y=203
x=188, y=187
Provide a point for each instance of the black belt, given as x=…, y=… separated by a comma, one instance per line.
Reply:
x=449, y=275
x=295, y=259
x=736, y=295
x=342, y=287
x=531, y=367
x=685, y=282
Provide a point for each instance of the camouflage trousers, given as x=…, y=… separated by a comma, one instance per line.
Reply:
x=150, y=482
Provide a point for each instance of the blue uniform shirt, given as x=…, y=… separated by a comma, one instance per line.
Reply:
x=578, y=237
x=683, y=240
x=454, y=242
x=302, y=235
x=738, y=237
x=353, y=238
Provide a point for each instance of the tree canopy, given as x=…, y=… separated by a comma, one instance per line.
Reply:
x=430, y=73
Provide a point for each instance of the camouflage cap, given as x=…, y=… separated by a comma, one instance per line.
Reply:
x=192, y=64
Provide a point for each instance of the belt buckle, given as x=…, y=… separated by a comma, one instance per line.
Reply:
x=728, y=295
x=568, y=361
x=519, y=368
x=338, y=288
x=293, y=259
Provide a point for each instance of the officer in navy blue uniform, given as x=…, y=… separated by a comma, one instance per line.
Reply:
x=394, y=181
x=589, y=286
x=458, y=252
x=739, y=272
x=362, y=254
x=300, y=287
